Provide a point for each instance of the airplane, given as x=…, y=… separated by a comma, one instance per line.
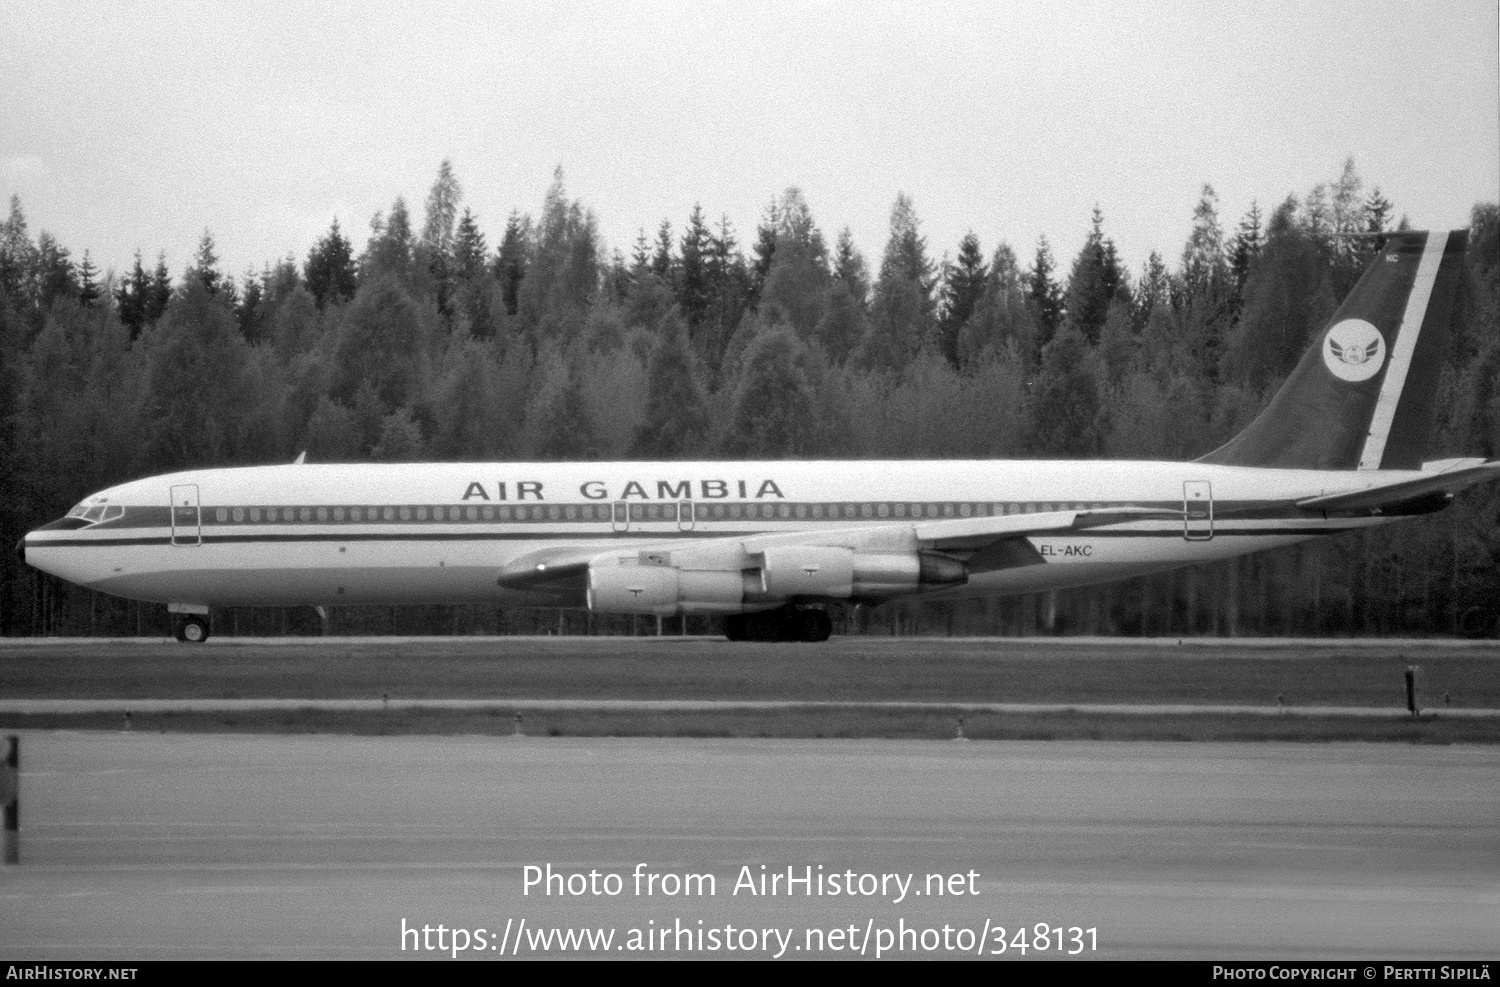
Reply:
x=769, y=545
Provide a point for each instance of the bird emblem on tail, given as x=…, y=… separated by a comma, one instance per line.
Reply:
x=1354, y=350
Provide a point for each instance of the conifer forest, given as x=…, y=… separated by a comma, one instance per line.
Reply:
x=533, y=340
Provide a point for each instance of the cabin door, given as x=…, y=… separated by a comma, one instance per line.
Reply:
x=1197, y=510
x=187, y=519
x=621, y=516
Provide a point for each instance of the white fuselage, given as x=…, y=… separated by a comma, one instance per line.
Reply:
x=440, y=533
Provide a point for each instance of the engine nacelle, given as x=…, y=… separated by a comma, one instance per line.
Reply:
x=793, y=571
x=798, y=570
x=664, y=590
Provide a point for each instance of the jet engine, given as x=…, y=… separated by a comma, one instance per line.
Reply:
x=786, y=573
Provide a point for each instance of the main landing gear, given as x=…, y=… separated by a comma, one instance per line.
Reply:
x=785, y=624
x=192, y=629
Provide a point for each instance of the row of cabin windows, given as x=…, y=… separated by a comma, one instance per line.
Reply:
x=637, y=512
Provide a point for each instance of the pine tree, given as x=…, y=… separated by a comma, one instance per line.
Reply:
x=329, y=272
x=765, y=250
x=1045, y=296
x=963, y=286
x=435, y=249
x=640, y=257
x=1001, y=321
x=206, y=265
x=849, y=268
x=469, y=249
x=390, y=249
x=1377, y=212
x=1203, y=258
x=729, y=281
x=442, y=211
x=694, y=288
x=88, y=290
x=131, y=296
x=251, y=309
x=1243, y=250
x=512, y=258
x=55, y=277
x=905, y=264
x=17, y=255
x=1096, y=282
x=563, y=271
x=662, y=262
x=160, y=292
x=1155, y=289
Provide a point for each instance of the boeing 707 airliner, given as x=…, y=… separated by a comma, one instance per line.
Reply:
x=768, y=545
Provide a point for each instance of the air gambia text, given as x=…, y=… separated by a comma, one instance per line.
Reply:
x=762, y=881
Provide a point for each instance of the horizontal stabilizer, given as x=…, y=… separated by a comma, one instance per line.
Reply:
x=1451, y=477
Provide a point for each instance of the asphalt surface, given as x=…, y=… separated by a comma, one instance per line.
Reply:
x=138, y=846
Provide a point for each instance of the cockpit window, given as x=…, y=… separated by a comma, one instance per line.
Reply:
x=79, y=509
x=112, y=512
x=94, y=513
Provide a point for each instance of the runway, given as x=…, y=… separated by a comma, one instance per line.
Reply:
x=34, y=707
x=140, y=846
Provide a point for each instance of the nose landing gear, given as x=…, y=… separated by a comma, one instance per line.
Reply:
x=192, y=629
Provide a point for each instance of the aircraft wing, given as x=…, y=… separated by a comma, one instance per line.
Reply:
x=990, y=543
x=1447, y=477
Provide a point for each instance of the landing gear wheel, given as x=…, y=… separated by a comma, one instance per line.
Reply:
x=811, y=625
x=783, y=624
x=192, y=630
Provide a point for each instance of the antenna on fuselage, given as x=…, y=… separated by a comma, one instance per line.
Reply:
x=301, y=458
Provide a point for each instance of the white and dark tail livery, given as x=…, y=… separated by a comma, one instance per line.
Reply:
x=767, y=545
x=1363, y=397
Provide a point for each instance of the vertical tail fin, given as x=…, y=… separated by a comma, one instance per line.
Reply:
x=1363, y=397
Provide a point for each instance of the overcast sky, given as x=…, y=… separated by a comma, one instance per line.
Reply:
x=126, y=126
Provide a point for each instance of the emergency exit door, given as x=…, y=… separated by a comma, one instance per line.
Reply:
x=187, y=518
x=1197, y=510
